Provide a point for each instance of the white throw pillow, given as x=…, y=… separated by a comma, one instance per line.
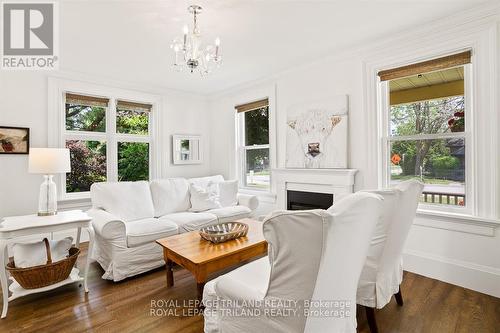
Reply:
x=228, y=193
x=35, y=254
x=202, y=200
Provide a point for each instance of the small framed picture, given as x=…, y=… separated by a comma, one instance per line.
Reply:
x=14, y=140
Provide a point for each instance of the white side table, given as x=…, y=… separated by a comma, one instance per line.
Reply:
x=21, y=226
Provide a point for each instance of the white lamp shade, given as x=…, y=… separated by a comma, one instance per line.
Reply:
x=49, y=161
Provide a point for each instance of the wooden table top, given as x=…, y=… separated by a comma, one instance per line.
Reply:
x=191, y=246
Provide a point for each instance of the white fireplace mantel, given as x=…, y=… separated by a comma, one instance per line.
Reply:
x=334, y=181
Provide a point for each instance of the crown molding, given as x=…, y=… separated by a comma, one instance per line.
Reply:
x=136, y=86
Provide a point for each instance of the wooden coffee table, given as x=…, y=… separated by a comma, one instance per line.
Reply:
x=202, y=257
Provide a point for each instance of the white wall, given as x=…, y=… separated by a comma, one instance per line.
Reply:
x=463, y=252
x=23, y=103
x=185, y=114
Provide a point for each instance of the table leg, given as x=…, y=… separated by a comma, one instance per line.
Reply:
x=90, y=230
x=199, y=288
x=3, y=277
x=78, y=233
x=170, y=272
x=201, y=278
x=77, y=243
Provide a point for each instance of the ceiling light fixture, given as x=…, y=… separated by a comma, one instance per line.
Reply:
x=189, y=51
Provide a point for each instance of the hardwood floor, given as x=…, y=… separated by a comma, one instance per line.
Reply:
x=429, y=306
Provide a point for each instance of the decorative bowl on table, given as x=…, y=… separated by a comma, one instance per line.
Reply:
x=223, y=232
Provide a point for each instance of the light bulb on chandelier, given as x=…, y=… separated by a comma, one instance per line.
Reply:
x=189, y=52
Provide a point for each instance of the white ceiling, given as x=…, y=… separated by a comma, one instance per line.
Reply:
x=130, y=40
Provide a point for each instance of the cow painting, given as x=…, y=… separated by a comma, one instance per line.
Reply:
x=317, y=137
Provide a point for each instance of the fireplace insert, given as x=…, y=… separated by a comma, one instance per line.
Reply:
x=299, y=200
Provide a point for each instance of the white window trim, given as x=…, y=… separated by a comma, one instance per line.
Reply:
x=386, y=139
x=57, y=133
x=242, y=148
x=481, y=36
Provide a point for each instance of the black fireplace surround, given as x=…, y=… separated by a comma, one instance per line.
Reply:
x=299, y=200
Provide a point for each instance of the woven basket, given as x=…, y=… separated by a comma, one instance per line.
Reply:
x=44, y=275
x=218, y=233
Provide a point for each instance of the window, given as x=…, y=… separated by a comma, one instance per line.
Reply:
x=427, y=135
x=253, y=138
x=108, y=139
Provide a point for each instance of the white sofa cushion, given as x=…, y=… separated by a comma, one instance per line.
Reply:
x=170, y=196
x=148, y=230
x=205, y=182
x=228, y=193
x=227, y=214
x=202, y=199
x=128, y=201
x=188, y=221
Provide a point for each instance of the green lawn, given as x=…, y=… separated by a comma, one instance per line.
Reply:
x=426, y=180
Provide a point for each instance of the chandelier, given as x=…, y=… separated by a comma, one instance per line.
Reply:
x=189, y=51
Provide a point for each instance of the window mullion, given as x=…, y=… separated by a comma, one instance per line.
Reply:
x=133, y=138
x=112, y=143
x=242, y=150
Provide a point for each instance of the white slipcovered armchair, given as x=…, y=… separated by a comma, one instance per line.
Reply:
x=383, y=270
x=313, y=255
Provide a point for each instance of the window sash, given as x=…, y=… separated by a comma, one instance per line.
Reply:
x=243, y=158
x=426, y=136
x=241, y=153
x=263, y=146
x=148, y=134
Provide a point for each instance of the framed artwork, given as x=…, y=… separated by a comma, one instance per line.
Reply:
x=317, y=134
x=186, y=149
x=14, y=140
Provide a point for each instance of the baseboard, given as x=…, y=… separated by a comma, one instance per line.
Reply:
x=484, y=279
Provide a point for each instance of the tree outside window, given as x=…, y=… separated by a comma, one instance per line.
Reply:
x=427, y=139
x=255, y=148
x=89, y=142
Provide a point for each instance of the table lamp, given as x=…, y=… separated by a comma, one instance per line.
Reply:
x=48, y=161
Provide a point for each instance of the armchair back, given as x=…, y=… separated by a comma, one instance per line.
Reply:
x=382, y=271
x=410, y=192
x=318, y=255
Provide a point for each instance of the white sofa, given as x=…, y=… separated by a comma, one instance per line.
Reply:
x=129, y=216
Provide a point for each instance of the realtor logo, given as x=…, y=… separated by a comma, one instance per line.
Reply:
x=29, y=36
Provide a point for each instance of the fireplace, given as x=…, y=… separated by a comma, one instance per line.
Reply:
x=310, y=188
x=300, y=200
